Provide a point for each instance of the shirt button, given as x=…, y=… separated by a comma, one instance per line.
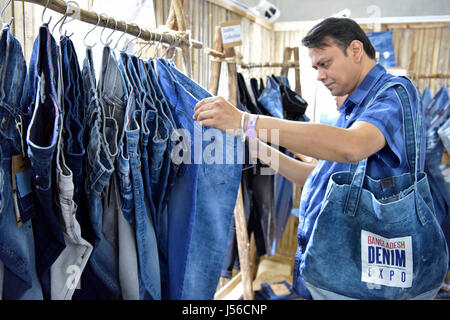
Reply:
x=347, y=117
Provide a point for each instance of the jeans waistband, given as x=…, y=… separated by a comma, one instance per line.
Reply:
x=13, y=70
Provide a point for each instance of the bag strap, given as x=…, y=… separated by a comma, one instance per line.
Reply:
x=412, y=143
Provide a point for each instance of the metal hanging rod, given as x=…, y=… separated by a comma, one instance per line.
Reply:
x=170, y=37
x=290, y=64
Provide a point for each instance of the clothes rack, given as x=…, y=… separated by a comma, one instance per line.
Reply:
x=173, y=38
x=239, y=215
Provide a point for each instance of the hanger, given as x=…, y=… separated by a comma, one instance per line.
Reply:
x=118, y=40
x=3, y=11
x=64, y=18
x=84, y=39
x=43, y=12
x=115, y=28
x=128, y=43
x=171, y=44
x=148, y=44
x=157, y=46
x=137, y=37
x=104, y=27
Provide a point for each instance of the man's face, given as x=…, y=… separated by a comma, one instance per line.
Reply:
x=338, y=72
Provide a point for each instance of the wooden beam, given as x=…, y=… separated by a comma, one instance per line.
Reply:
x=229, y=6
x=213, y=85
x=92, y=18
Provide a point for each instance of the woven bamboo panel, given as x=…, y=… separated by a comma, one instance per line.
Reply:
x=202, y=17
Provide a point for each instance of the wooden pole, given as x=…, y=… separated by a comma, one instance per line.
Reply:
x=132, y=29
x=176, y=21
x=298, y=86
x=213, y=86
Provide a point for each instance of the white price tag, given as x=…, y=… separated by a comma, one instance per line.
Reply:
x=231, y=34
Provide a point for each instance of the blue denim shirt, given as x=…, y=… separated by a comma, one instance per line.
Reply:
x=386, y=114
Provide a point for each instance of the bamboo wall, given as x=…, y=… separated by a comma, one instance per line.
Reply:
x=203, y=16
x=23, y=29
x=424, y=50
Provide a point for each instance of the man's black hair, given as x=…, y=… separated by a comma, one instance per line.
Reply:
x=342, y=31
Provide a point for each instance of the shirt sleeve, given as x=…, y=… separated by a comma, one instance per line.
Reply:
x=385, y=113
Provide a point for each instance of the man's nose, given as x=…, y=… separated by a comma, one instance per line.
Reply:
x=321, y=75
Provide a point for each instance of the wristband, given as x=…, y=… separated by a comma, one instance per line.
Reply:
x=242, y=134
x=251, y=133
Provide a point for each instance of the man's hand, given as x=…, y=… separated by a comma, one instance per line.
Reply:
x=217, y=112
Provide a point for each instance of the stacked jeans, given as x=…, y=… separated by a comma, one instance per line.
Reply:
x=437, y=111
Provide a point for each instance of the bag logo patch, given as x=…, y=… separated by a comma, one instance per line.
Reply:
x=385, y=261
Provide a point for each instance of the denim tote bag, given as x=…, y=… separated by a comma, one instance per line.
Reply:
x=378, y=239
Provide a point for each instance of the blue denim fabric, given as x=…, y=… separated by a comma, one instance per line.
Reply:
x=426, y=97
x=103, y=261
x=42, y=137
x=219, y=181
x=436, y=105
x=383, y=43
x=444, y=134
x=284, y=190
x=436, y=171
x=17, y=252
x=438, y=177
x=139, y=110
x=74, y=122
x=168, y=168
x=355, y=202
x=181, y=204
x=270, y=98
x=145, y=232
x=112, y=89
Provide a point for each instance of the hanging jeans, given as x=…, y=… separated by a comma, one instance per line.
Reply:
x=135, y=130
x=42, y=139
x=19, y=278
x=218, y=179
x=168, y=170
x=444, y=134
x=271, y=98
x=66, y=271
x=100, y=279
x=182, y=201
x=74, y=123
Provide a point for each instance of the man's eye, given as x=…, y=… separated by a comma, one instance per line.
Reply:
x=324, y=64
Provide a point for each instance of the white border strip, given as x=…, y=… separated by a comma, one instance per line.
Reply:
x=302, y=25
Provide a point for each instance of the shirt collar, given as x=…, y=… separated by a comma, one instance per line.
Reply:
x=364, y=88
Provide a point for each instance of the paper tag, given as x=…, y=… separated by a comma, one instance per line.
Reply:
x=20, y=170
x=445, y=157
x=280, y=289
x=231, y=34
x=387, y=262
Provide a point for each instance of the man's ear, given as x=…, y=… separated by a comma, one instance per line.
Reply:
x=356, y=50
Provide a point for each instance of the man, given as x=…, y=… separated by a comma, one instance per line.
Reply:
x=344, y=59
